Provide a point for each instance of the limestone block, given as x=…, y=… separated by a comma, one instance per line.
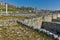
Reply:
x=54, y=16
x=58, y=15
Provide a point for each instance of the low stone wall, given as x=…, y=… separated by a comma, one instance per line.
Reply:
x=48, y=18
x=8, y=22
x=34, y=22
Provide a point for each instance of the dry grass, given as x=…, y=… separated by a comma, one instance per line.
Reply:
x=20, y=32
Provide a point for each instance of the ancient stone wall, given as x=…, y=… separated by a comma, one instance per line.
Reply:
x=34, y=22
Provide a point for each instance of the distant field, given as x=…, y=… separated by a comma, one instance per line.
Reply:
x=20, y=17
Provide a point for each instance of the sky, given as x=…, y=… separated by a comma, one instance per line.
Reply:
x=39, y=4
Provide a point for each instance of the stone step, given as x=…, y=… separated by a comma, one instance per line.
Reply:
x=52, y=27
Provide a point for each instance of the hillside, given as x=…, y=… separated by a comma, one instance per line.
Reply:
x=10, y=7
x=14, y=8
